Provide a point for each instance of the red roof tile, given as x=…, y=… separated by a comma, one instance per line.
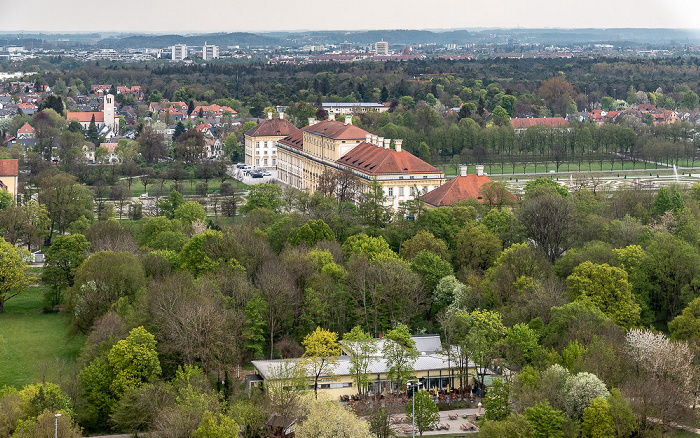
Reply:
x=457, y=189
x=9, y=167
x=86, y=117
x=336, y=130
x=524, y=123
x=374, y=160
x=294, y=140
x=273, y=127
x=25, y=129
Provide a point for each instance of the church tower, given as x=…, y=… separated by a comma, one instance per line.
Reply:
x=108, y=112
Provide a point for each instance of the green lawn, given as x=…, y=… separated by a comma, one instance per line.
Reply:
x=189, y=188
x=496, y=169
x=35, y=344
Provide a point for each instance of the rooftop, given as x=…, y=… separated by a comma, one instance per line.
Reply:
x=375, y=160
x=272, y=128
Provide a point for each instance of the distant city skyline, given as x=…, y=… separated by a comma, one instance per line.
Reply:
x=177, y=16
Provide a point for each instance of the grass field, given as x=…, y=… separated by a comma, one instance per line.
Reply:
x=496, y=169
x=190, y=189
x=35, y=344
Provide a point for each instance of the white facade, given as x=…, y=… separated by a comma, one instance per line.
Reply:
x=210, y=52
x=179, y=52
x=381, y=48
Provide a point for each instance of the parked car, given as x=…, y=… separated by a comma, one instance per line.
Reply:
x=256, y=174
x=241, y=165
x=266, y=173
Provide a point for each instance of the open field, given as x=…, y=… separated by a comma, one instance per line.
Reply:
x=35, y=343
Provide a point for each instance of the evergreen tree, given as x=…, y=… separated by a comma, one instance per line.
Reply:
x=385, y=94
x=179, y=129
x=190, y=107
x=92, y=134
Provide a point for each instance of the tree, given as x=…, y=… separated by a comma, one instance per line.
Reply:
x=311, y=233
x=153, y=147
x=65, y=200
x=686, y=326
x=327, y=419
x=500, y=116
x=597, y=421
x=544, y=421
x=424, y=241
x=362, y=349
x=62, y=259
x=556, y=93
x=189, y=146
x=96, y=289
x=477, y=248
x=400, y=354
x=372, y=208
x=607, y=287
x=321, y=355
x=26, y=224
x=548, y=221
x=497, y=401
x=13, y=278
x=220, y=426
x=6, y=199
x=92, y=134
x=581, y=389
x=52, y=102
x=427, y=414
x=521, y=345
x=179, y=130
x=190, y=212
x=267, y=196
x=134, y=361
x=431, y=267
x=120, y=193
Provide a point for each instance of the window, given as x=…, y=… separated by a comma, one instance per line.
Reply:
x=257, y=152
x=411, y=191
x=257, y=161
x=425, y=176
x=400, y=191
x=265, y=161
x=257, y=144
x=391, y=191
x=274, y=161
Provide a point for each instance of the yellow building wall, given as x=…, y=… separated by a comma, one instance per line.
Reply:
x=11, y=182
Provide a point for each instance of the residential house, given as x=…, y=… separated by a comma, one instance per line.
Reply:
x=27, y=108
x=9, y=176
x=521, y=124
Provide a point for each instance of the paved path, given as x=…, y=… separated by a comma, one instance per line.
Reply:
x=444, y=419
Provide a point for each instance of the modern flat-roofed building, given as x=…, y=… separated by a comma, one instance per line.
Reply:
x=179, y=52
x=381, y=48
x=209, y=52
x=354, y=108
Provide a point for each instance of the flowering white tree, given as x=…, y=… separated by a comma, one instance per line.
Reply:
x=581, y=389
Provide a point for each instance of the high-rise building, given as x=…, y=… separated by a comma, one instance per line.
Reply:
x=210, y=52
x=381, y=48
x=179, y=52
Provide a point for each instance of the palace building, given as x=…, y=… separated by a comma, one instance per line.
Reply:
x=304, y=156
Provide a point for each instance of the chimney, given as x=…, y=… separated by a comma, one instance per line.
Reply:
x=331, y=115
x=374, y=139
x=348, y=119
x=480, y=170
x=312, y=121
x=387, y=143
x=380, y=141
x=368, y=138
x=462, y=170
x=397, y=145
x=269, y=115
x=281, y=116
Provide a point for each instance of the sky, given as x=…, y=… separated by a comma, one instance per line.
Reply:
x=203, y=16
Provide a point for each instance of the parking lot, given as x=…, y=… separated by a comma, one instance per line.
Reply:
x=247, y=179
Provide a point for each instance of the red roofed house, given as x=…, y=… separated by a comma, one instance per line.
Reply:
x=521, y=124
x=463, y=187
x=261, y=141
x=332, y=145
x=26, y=131
x=107, y=119
x=9, y=176
x=27, y=108
x=213, y=109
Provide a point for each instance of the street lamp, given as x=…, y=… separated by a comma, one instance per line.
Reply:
x=413, y=404
x=56, y=431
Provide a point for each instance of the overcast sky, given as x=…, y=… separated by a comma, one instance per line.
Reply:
x=178, y=16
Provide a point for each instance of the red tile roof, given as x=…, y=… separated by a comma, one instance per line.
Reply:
x=457, y=189
x=273, y=127
x=336, y=130
x=9, y=167
x=294, y=140
x=25, y=129
x=374, y=160
x=86, y=117
x=524, y=123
